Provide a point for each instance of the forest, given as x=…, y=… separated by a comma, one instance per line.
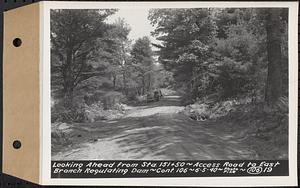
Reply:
x=229, y=66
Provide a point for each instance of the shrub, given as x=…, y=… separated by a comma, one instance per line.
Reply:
x=61, y=112
x=211, y=109
x=94, y=112
x=110, y=99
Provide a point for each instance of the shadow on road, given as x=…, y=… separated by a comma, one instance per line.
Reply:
x=157, y=131
x=164, y=101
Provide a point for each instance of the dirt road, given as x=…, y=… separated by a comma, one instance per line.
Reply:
x=153, y=131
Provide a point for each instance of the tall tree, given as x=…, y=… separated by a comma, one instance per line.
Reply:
x=76, y=36
x=274, y=78
x=185, y=35
x=142, y=61
x=239, y=60
x=117, y=51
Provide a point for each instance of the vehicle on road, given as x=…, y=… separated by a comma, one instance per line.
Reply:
x=154, y=96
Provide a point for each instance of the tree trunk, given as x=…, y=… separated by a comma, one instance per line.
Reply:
x=68, y=78
x=143, y=85
x=114, y=81
x=150, y=82
x=124, y=83
x=274, y=78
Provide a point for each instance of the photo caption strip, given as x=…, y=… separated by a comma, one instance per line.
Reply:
x=127, y=169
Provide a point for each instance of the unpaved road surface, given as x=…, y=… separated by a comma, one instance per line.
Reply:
x=153, y=131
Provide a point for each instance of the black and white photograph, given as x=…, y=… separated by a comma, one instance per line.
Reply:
x=169, y=84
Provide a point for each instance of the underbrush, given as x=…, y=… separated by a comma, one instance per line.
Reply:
x=86, y=113
x=88, y=108
x=264, y=128
x=96, y=112
x=202, y=111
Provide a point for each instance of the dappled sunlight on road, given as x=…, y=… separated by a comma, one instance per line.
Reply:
x=172, y=97
x=153, y=132
x=167, y=105
x=156, y=110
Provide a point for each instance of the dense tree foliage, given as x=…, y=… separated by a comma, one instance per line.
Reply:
x=142, y=60
x=76, y=39
x=226, y=53
x=185, y=35
x=93, y=60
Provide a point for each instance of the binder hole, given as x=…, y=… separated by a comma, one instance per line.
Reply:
x=17, y=42
x=17, y=144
